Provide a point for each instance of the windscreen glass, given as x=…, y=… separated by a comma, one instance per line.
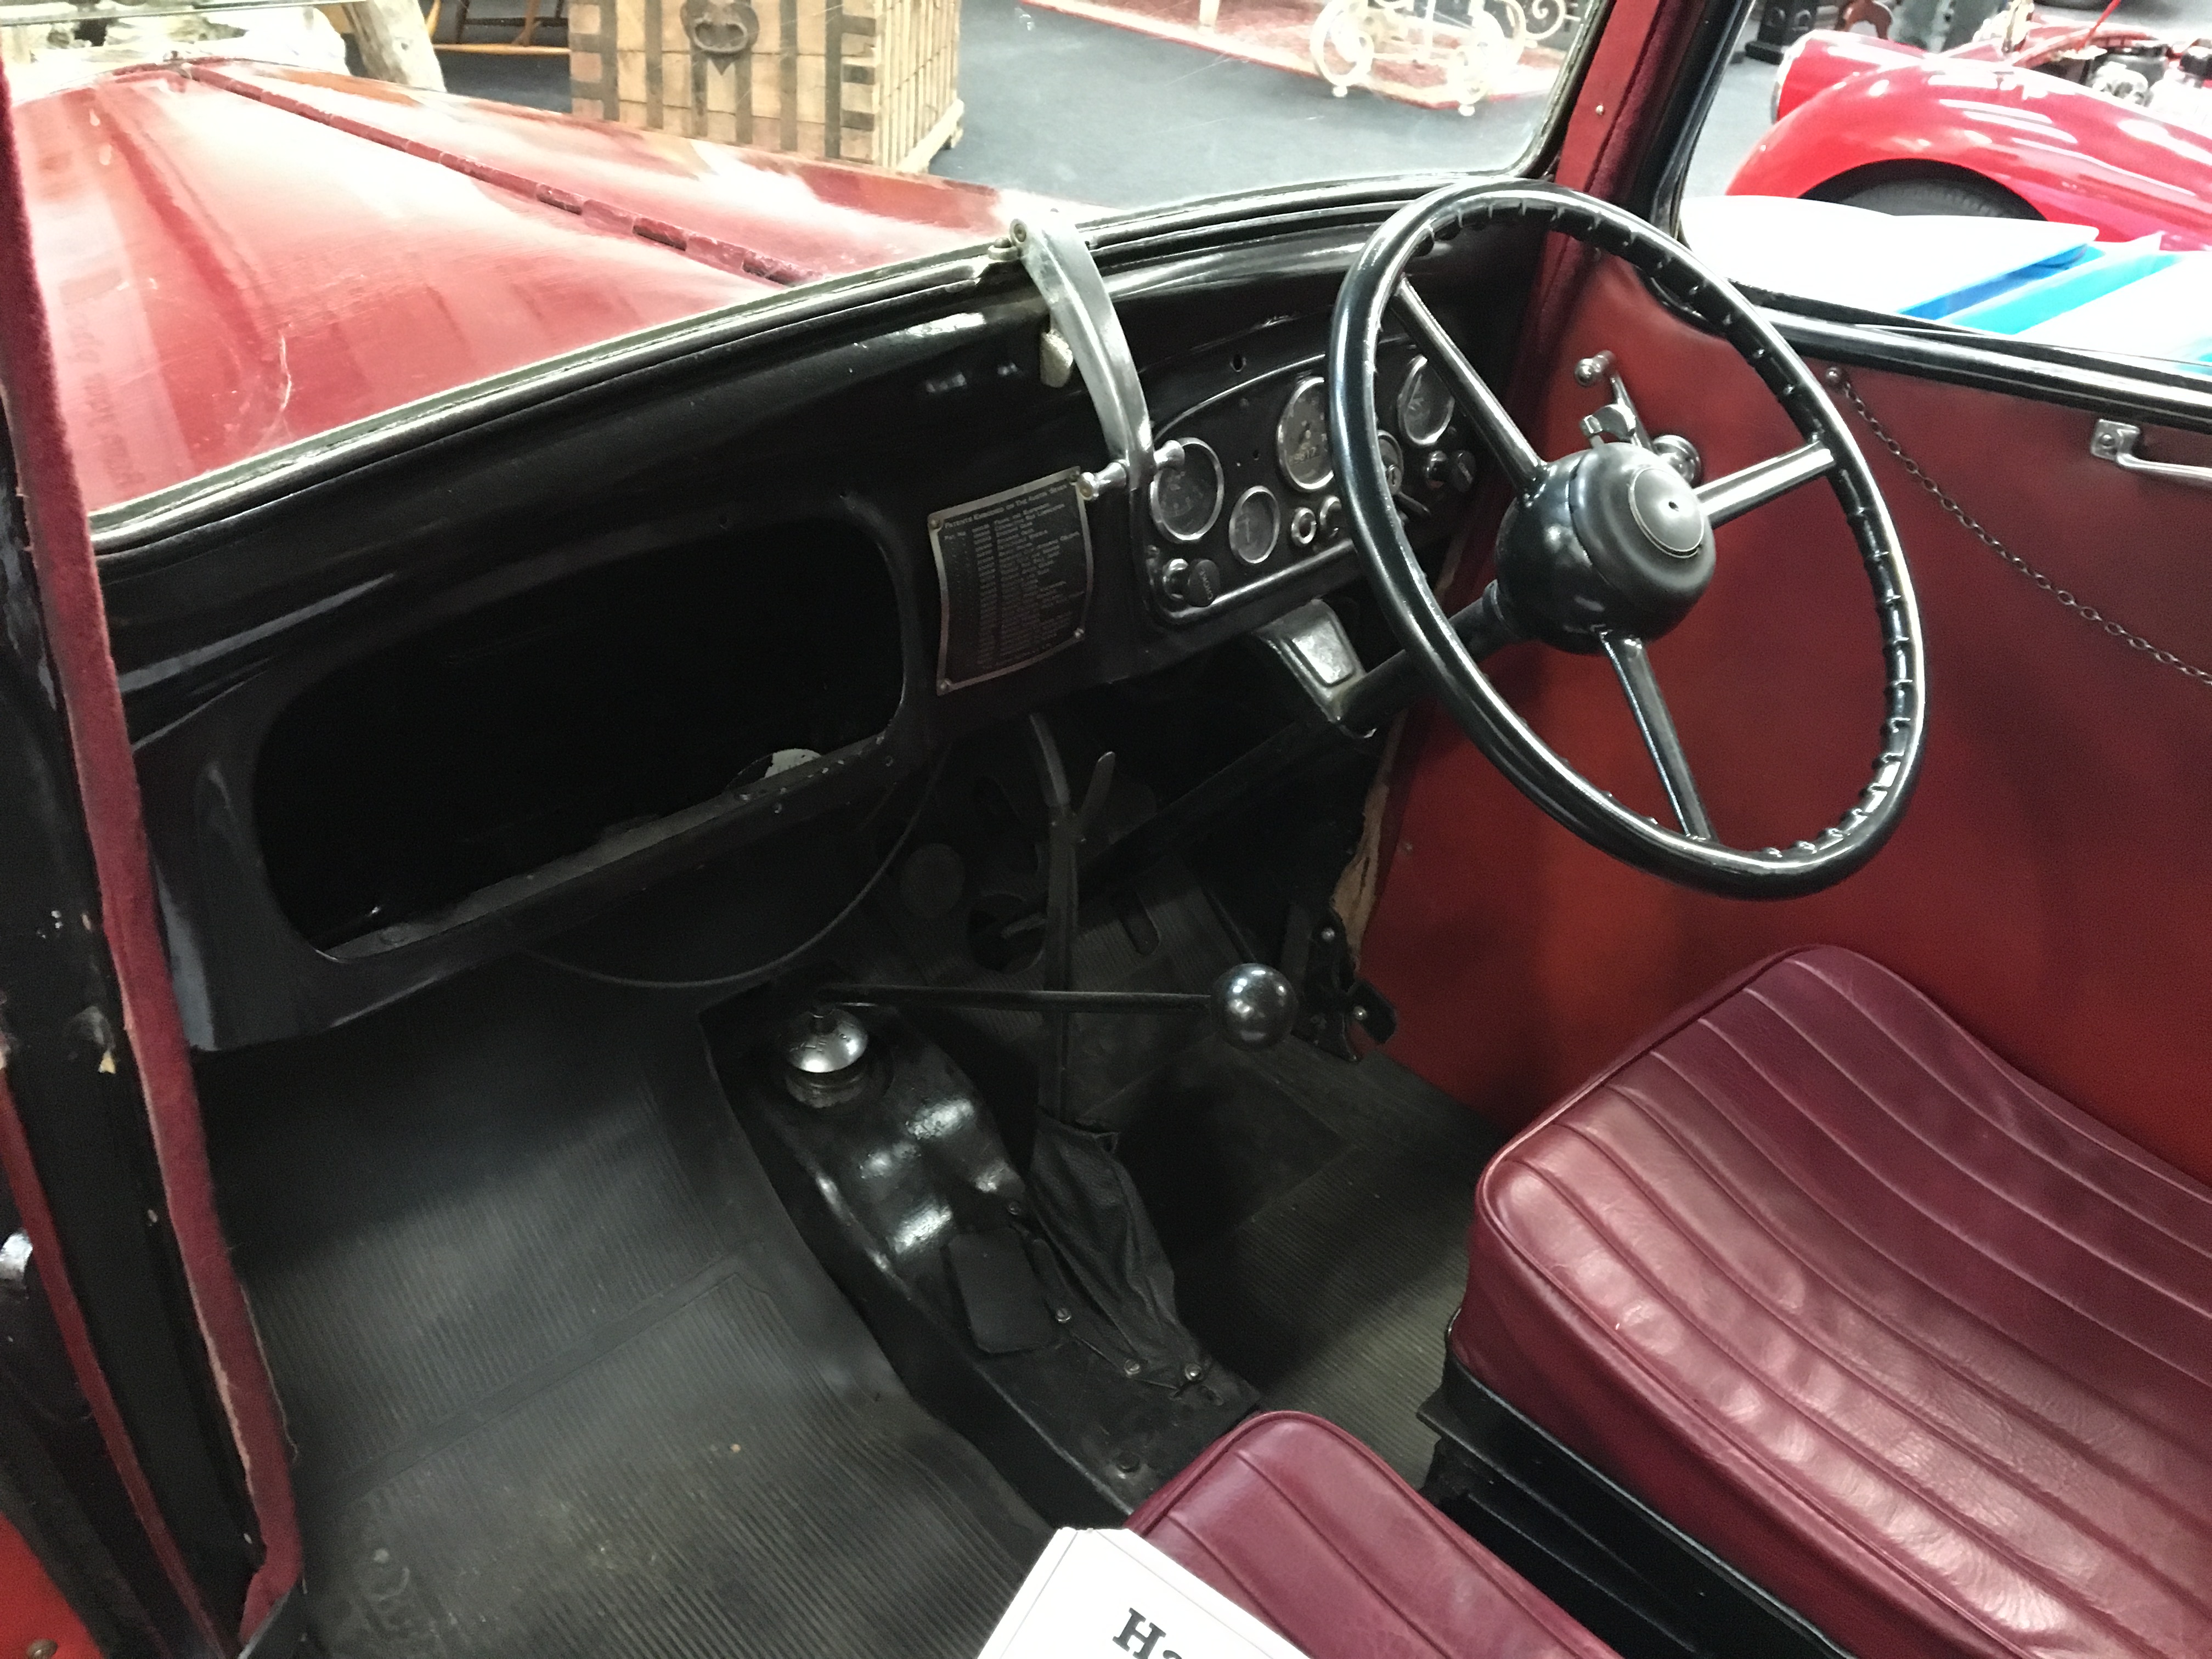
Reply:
x=254, y=230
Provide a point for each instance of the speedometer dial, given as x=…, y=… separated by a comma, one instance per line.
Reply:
x=1424, y=408
x=1187, y=496
x=1301, y=437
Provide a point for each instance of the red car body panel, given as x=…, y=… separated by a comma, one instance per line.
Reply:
x=2074, y=156
x=236, y=257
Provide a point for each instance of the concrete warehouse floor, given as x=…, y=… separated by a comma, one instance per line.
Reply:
x=1086, y=111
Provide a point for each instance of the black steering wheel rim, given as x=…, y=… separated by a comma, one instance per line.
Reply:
x=1373, y=284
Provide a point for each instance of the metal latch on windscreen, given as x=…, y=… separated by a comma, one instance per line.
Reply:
x=1086, y=338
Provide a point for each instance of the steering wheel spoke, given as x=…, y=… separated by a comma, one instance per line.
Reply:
x=1735, y=495
x=1633, y=665
x=1505, y=440
x=1608, y=547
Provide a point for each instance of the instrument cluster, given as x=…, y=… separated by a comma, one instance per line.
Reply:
x=1245, y=498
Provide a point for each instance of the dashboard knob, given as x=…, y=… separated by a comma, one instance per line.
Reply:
x=1459, y=471
x=1192, y=583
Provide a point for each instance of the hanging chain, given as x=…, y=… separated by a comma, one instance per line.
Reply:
x=1839, y=382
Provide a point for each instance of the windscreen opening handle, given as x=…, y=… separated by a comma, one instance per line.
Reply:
x=1059, y=261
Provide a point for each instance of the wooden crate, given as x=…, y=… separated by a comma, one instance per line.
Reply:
x=872, y=80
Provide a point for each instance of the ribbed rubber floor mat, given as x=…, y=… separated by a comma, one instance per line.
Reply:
x=1333, y=1293
x=561, y=1378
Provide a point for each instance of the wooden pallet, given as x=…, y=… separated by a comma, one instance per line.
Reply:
x=872, y=80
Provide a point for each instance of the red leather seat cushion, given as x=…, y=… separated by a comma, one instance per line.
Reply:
x=1919, y=1345
x=1308, y=1529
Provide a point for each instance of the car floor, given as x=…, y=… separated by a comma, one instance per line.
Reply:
x=561, y=1378
x=1333, y=1293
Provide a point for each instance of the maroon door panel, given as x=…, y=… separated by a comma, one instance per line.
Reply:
x=2051, y=885
x=74, y=626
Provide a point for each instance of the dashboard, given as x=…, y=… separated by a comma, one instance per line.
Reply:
x=441, y=706
x=1249, y=502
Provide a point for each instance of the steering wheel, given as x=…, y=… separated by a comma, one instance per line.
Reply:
x=1605, y=549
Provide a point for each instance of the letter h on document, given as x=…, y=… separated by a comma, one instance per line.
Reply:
x=1140, y=1636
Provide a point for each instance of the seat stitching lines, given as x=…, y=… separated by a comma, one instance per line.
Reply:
x=1979, y=1320
x=1913, y=1273
x=1904, y=1335
x=1330, y=1545
x=1975, y=1176
x=2012, y=1084
x=2119, y=1548
x=1897, y=1563
x=1219, y=1561
x=1599, y=1333
x=2136, y=1158
x=1798, y=1106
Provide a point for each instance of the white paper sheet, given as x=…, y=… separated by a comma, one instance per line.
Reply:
x=1110, y=1595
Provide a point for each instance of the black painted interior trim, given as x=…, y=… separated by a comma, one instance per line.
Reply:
x=1633, y=1577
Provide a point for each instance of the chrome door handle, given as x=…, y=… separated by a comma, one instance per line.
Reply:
x=2116, y=440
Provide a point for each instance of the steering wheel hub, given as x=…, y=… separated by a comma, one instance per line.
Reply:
x=1609, y=540
x=1665, y=510
x=1604, y=549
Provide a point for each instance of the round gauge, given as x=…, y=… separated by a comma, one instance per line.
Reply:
x=1424, y=408
x=1187, y=496
x=1302, y=435
x=1254, y=522
x=1394, y=461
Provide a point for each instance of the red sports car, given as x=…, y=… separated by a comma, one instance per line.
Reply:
x=2107, y=126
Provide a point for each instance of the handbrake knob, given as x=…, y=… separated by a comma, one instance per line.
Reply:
x=1255, y=1006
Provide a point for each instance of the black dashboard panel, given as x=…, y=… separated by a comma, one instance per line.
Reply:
x=1260, y=426
x=537, y=727
x=307, y=684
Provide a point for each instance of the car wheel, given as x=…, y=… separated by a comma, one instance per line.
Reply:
x=1965, y=198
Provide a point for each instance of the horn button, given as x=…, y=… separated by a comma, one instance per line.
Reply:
x=1611, y=540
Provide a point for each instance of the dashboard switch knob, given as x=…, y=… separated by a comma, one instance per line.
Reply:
x=1193, y=584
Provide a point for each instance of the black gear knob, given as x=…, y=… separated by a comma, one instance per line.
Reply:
x=1253, y=1005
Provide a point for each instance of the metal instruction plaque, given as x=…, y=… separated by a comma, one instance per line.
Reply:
x=1014, y=575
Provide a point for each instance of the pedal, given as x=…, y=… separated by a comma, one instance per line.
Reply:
x=1005, y=1305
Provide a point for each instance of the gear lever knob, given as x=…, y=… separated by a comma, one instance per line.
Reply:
x=1254, y=1006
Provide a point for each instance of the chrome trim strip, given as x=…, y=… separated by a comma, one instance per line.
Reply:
x=2161, y=394
x=116, y=530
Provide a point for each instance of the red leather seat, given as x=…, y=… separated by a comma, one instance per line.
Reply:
x=1305, y=1528
x=1918, y=1345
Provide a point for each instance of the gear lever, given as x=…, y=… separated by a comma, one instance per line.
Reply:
x=1084, y=1202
